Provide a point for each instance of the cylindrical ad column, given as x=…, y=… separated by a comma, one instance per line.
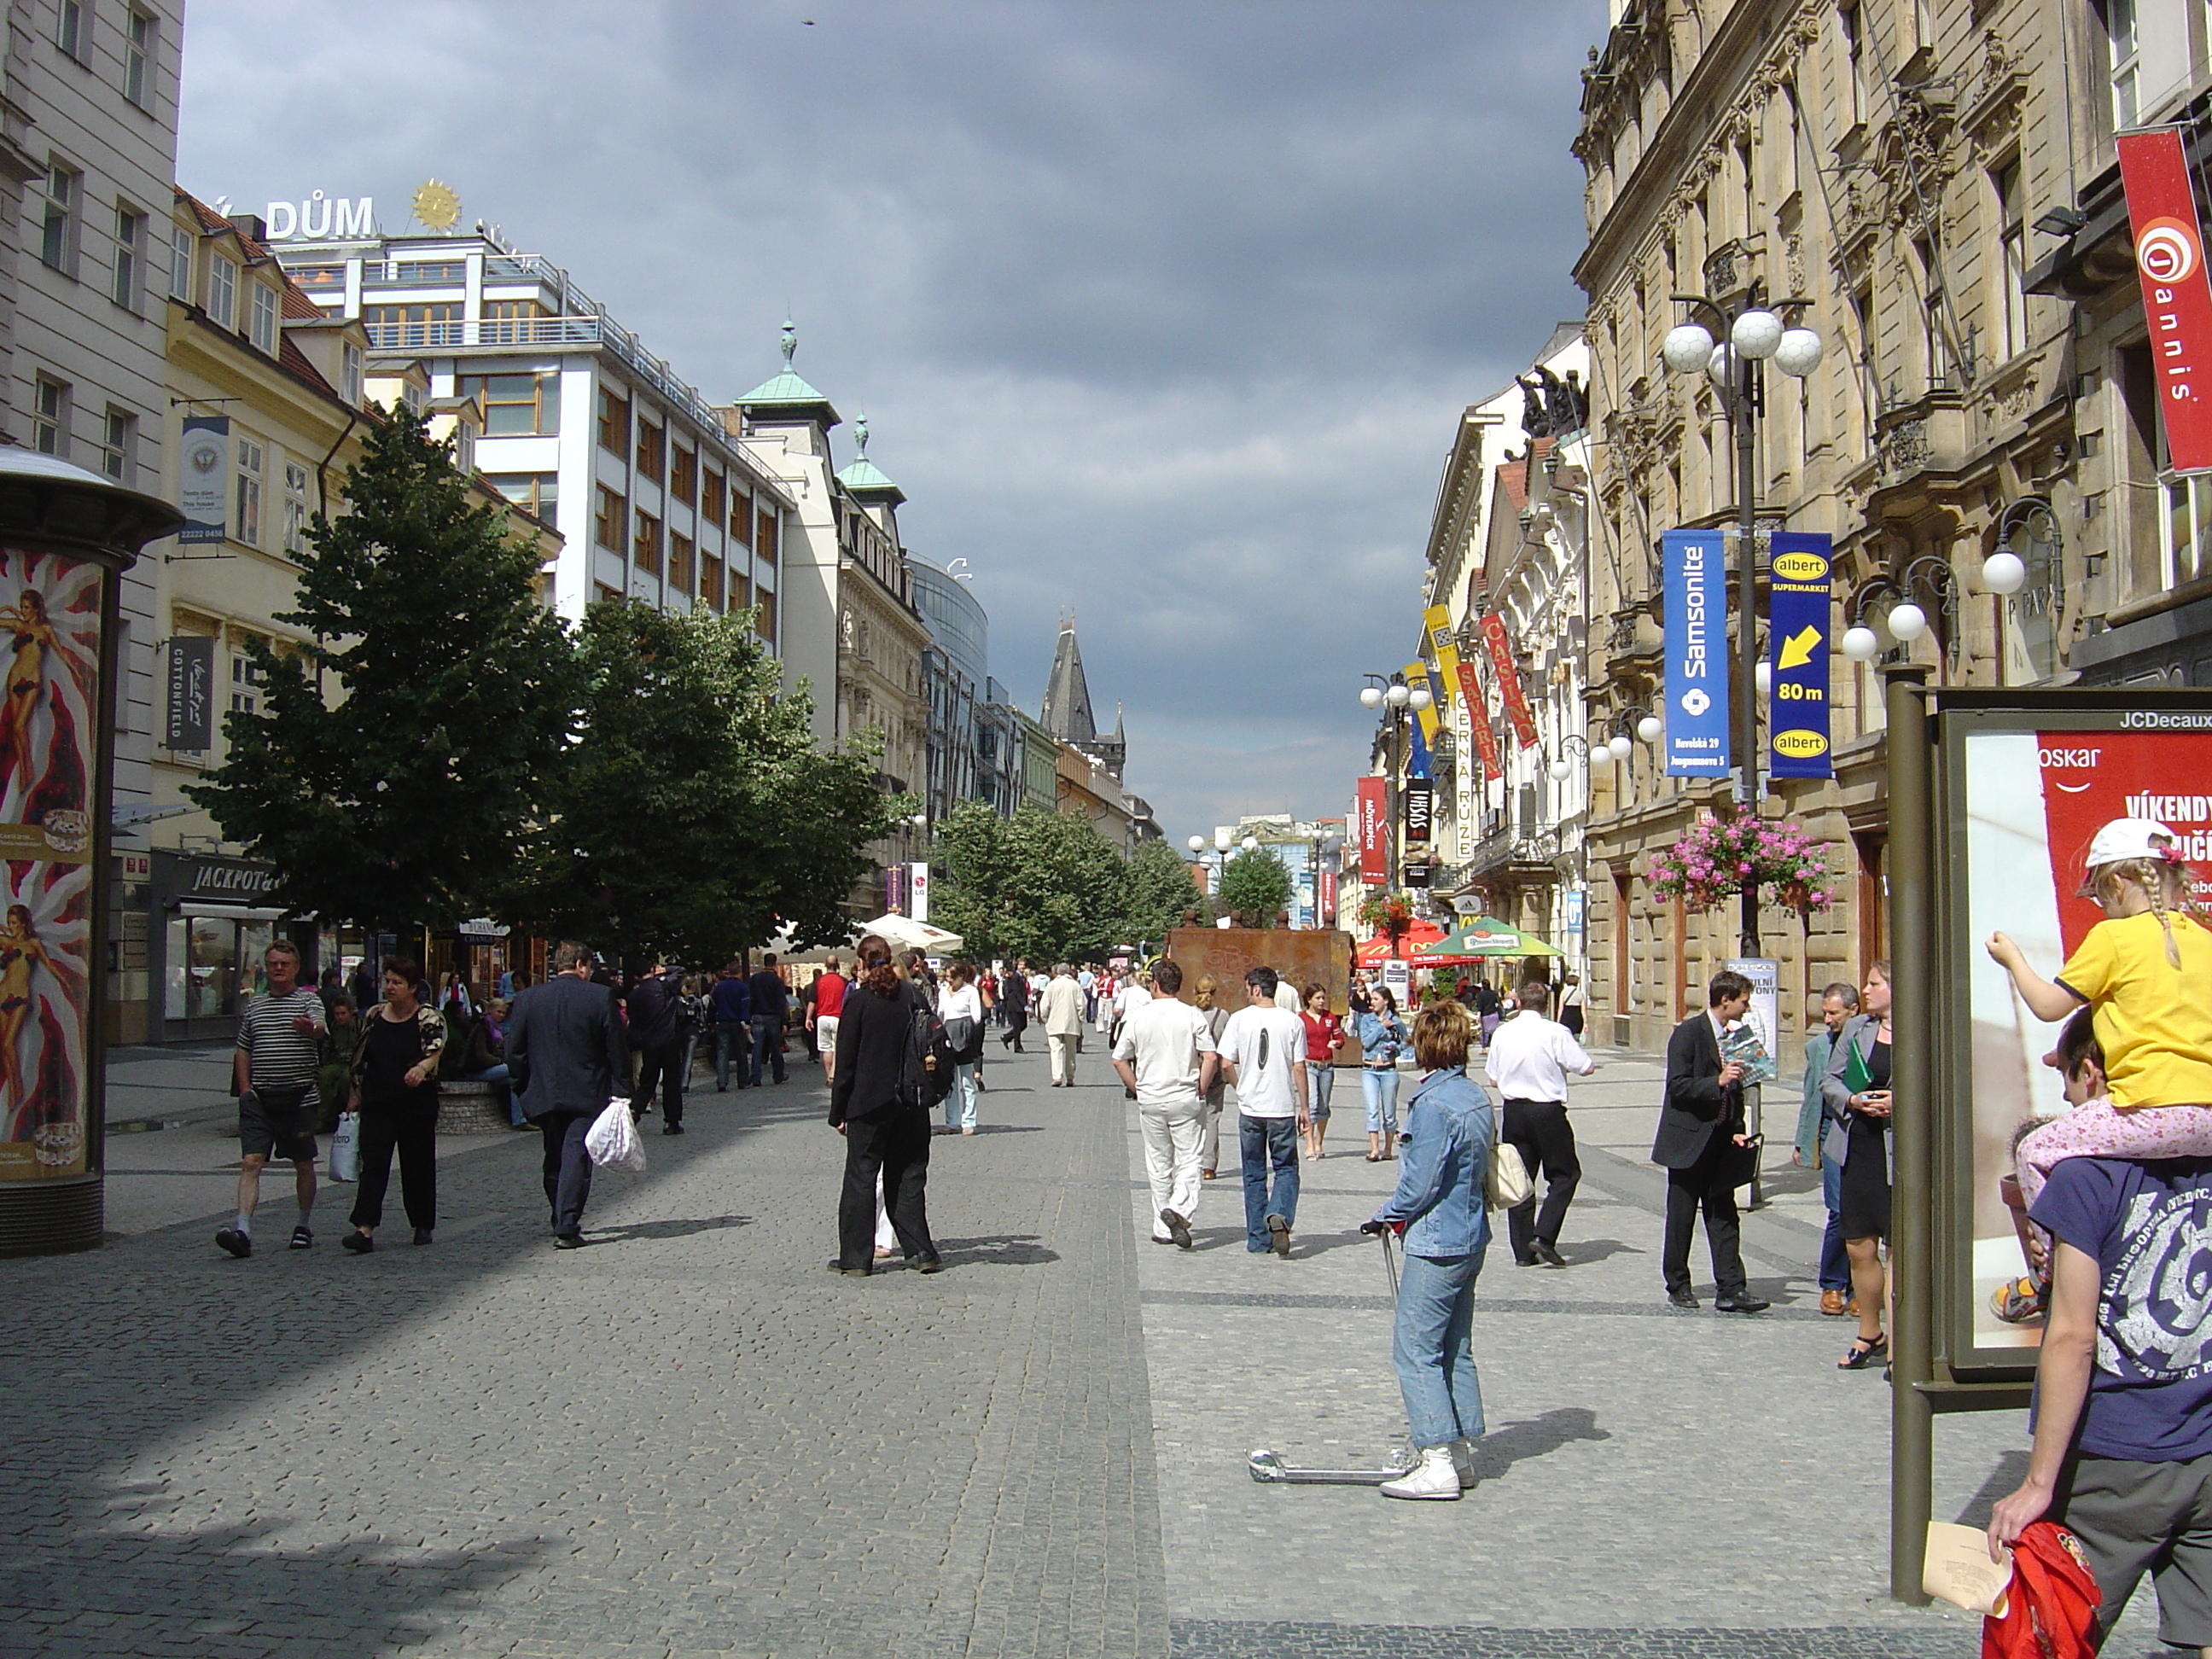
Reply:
x=66, y=537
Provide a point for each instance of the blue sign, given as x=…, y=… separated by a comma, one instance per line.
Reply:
x=1798, y=609
x=1697, y=654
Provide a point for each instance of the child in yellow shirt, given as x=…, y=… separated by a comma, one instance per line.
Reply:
x=2145, y=972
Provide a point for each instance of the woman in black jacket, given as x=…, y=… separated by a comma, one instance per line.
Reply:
x=884, y=1115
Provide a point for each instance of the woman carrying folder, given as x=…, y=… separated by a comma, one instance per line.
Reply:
x=1857, y=1093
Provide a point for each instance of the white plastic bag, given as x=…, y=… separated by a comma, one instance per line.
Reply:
x=345, y=1148
x=612, y=1139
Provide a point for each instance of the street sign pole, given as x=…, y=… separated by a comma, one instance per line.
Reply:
x=1911, y=1342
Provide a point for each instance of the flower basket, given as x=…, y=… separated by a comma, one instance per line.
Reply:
x=1710, y=867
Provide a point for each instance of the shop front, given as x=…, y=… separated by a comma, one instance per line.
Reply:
x=212, y=924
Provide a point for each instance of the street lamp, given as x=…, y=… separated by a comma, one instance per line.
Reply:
x=1598, y=759
x=1929, y=576
x=1390, y=693
x=1755, y=334
x=1197, y=845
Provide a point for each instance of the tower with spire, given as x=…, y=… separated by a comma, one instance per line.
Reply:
x=1067, y=713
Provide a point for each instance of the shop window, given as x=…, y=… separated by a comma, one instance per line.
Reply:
x=246, y=682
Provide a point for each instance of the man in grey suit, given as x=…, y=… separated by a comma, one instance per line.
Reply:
x=566, y=1056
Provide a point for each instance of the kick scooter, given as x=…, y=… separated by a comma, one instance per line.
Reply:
x=1268, y=1469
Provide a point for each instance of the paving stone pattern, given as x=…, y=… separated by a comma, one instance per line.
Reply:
x=691, y=1439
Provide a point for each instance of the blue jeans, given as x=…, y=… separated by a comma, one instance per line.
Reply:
x=960, y=1103
x=731, y=1037
x=498, y=1074
x=1322, y=1076
x=1429, y=1348
x=1835, y=1260
x=1379, y=1086
x=1269, y=1142
x=767, y=1045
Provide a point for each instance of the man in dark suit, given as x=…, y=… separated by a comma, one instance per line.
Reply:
x=1700, y=1143
x=567, y=1055
x=656, y=1029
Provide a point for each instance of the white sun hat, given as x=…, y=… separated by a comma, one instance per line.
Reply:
x=2130, y=838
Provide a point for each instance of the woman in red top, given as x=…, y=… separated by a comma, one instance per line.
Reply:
x=1324, y=1031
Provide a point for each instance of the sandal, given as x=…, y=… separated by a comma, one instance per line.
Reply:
x=1374, y=1157
x=2018, y=1300
x=1863, y=1352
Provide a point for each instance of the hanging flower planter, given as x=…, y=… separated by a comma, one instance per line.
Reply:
x=1710, y=867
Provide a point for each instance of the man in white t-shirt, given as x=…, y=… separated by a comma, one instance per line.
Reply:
x=1263, y=1053
x=1529, y=1059
x=1165, y=1056
x=1132, y=996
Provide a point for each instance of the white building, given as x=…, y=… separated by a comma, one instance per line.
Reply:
x=653, y=496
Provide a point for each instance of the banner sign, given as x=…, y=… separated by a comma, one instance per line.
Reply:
x=191, y=693
x=1371, y=823
x=917, y=891
x=1417, y=678
x=895, y=887
x=1509, y=679
x=1697, y=654
x=1800, y=599
x=1478, y=720
x=1443, y=645
x=203, y=478
x=1420, y=811
x=1416, y=761
x=1327, y=900
x=2177, y=296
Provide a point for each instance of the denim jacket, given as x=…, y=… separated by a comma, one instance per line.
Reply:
x=1381, y=1037
x=1450, y=1127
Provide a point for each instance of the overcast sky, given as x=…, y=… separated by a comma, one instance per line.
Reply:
x=1162, y=312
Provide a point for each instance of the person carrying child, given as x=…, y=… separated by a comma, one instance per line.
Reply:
x=2145, y=972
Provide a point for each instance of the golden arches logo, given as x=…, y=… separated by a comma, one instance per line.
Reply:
x=2167, y=250
x=1800, y=745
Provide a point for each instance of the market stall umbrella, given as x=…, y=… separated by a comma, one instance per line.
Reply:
x=1482, y=936
x=1377, y=950
x=909, y=934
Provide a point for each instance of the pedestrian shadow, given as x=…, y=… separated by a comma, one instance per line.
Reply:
x=1496, y=1454
x=1790, y=1180
x=2004, y=1479
x=996, y=1250
x=1588, y=1252
x=623, y=1232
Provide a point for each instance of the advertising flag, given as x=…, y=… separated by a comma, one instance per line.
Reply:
x=1509, y=679
x=1697, y=654
x=1371, y=825
x=191, y=727
x=2177, y=295
x=1478, y=720
x=1443, y=645
x=1420, y=811
x=1417, y=676
x=1798, y=605
x=203, y=480
x=917, y=890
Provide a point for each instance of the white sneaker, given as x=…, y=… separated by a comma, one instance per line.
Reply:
x=1433, y=1478
x=1462, y=1457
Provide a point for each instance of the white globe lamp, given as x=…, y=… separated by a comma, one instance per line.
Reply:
x=1197, y=843
x=1756, y=334
x=1686, y=347
x=1763, y=675
x=1649, y=728
x=1251, y=843
x=1600, y=758
x=1908, y=622
x=1720, y=365
x=1419, y=699
x=1371, y=697
x=2005, y=571
x=1558, y=769
x=1619, y=746
x=1798, y=352
x=1861, y=643
x=1399, y=696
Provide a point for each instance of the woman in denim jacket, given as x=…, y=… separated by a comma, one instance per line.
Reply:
x=1382, y=1036
x=1437, y=1209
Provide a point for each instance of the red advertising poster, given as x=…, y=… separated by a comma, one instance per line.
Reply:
x=1373, y=815
x=1509, y=679
x=2177, y=296
x=1328, y=917
x=1478, y=719
x=2032, y=799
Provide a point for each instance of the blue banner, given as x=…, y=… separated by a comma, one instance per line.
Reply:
x=1697, y=654
x=1798, y=609
x=1417, y=764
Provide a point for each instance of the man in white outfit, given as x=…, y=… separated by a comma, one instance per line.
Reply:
x=1529, y=1059
x=1165, y=1054
x=1060, y=1007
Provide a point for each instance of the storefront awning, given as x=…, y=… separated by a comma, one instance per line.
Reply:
x=192, y=907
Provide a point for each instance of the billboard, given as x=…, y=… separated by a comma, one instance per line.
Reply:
x=1697, y=654
x=2023, y=781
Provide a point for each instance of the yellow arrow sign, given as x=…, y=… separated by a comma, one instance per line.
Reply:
x=1797, y=649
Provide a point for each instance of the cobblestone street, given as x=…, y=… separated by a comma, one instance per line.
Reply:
x=691, y=1439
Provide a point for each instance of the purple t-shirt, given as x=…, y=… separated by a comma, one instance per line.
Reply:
x=2149, y=1227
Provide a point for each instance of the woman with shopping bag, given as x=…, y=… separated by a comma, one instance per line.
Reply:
x=880, y=1104
x=395, y=1091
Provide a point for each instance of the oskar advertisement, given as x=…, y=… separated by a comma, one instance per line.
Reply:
x=2025, y=784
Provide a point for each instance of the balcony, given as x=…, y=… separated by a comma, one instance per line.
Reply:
x=1513, y=854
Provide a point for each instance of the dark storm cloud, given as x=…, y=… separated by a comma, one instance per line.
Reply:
x=1164, y=312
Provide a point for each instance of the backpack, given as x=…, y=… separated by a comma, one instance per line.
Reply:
x=924, y=1074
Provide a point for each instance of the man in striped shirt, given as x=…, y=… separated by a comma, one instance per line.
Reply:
x=280, y=1043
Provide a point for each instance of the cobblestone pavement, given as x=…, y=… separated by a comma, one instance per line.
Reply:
x=690, y=1438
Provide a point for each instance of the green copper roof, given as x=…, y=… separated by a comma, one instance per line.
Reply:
x=863, y=477
x=787, y=391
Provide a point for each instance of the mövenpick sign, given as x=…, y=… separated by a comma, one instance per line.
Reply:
x=2176, y=297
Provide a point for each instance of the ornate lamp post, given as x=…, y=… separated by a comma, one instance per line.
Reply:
x=1390, y=691
x=66, y=537
x=1753, y=335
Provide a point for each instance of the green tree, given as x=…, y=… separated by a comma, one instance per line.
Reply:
x=390, y=773
x=1160, y=891
x=1256, y=887
x=1041, y=884
x=694, y=813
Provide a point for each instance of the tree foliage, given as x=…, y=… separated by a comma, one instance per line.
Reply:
x=1255, y=886
x=1041, y=884
x=694, y=814
x=1160, y=891
x=390, y=773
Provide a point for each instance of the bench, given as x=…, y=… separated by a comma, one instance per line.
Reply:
x=471, y=1108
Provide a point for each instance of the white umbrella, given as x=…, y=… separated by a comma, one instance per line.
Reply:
x=906, y=932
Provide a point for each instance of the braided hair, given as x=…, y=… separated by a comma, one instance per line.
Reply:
x=876, y=972
x=2165, y=882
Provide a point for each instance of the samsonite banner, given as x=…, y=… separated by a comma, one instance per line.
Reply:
x=2176, y=297
x=1371, y=824
x=1798, y=608
x=1697, y=654
x=1509, y=679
